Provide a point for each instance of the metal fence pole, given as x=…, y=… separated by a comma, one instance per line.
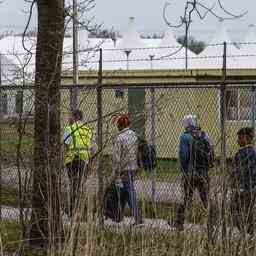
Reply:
x=100, y=141
x=186, y=46
x=1, y=118
x=152, y=115
x=253, y=108
x=74, y=90
x=223, y=143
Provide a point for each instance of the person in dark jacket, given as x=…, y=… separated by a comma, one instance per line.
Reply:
x=244, y=182
x=194, y=168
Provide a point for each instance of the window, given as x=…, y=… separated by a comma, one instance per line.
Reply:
x=239, y=105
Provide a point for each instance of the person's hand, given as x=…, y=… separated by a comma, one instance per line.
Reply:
x=93, y=149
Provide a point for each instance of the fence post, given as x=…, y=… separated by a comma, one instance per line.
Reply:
x=100, y=141
x=152, y=115
x=1, y=119
x=223, y=144
x=74, y=89
x=253, y=109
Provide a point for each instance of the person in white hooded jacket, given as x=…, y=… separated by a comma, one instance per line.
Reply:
x=125, y=149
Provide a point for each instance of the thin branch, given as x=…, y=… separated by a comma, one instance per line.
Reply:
x=196, y=4
x=166, y=19
x=193, y=7
x=202, y=16
x=213, y=13
x=25, y=31
x=230, y=13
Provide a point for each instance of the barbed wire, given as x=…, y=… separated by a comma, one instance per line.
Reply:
x=96, y=49
x=177, y=58
x=162, y=58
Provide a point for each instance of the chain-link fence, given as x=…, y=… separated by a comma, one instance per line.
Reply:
x=156, y=113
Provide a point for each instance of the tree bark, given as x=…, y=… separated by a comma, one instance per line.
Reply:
x=46, y=224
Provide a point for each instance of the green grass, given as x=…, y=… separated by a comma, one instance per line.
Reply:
x=9, y=148
x=10, y=234
x=169, y=169
x=9, y=196
x=12, y=241
x=166, y=170
x=10, y=140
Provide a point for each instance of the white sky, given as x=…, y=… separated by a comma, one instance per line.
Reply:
x=147, y=13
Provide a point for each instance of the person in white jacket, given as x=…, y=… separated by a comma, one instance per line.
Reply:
x=125, y=149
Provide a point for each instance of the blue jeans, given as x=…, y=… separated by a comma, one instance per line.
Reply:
x=127, y=178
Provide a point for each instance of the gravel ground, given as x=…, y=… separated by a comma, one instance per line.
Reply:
x=166, y=191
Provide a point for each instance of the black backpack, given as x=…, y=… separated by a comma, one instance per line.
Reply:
x=202, y=153
x=115, y=199
x=146, y=155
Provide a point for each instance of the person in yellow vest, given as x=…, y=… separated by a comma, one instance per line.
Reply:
x=78, y=149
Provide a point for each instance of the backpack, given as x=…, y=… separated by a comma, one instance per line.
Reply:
x=115, y=199
x=202, y=153
x=146, y=157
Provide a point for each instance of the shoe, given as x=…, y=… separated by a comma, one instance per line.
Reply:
x=138, y=223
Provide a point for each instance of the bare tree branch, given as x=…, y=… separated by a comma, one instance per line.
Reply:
x=202, y=16
x=229, y=13
x=84, y=21
x=200, y=10
x=195, y=5
x=25, y=31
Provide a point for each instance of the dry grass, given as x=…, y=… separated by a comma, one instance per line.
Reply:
x=89, y=239
x=133, y=242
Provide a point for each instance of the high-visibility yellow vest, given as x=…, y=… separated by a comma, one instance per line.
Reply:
x=80, y=142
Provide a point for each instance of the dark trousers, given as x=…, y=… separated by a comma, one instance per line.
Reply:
x=190, y=184
x=77, y=172
x=242, y=204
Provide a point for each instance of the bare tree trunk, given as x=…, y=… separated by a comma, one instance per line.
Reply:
x=46, y=224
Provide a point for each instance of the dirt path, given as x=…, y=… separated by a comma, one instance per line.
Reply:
x=165, y=191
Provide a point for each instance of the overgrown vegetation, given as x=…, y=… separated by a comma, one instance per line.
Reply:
x=12, y=243
x=10, y=234
x=92, y=240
